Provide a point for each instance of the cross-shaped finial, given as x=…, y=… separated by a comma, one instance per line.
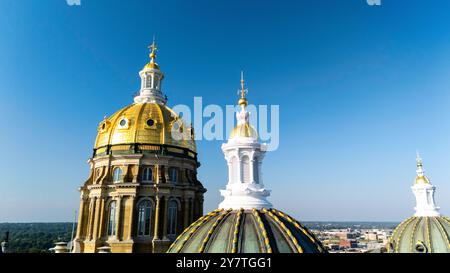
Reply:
x=153, y=49
x=243, y=91
x=153, y=45
x=420, y=172
x=243, y=100
x=418, y=159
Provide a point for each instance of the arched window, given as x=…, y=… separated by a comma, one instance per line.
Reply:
x=173, y=175
x=156, y=82
x=147, y=175
x=112, y=219
x=118, y=175
x=430, y=198
x=148, y=81
x=245, y=169
x=189, y=176
x=144, y=218
x=172, y=217
x=256, y=170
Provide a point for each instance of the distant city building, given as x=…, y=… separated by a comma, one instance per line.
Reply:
x=427, y=231
x=348, y=244
x=371, y=236
x=370, y=240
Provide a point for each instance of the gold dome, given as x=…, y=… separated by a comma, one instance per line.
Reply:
x=422, y=180
x=143, y=123
x=244, y=130
x=151, y=65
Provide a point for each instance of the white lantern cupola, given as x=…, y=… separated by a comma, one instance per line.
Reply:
x=244, y=155
x=424, y=192
x=151, y=79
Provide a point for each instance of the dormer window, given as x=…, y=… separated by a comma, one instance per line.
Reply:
x=421, y=248
x=104, y=125
x=123, y=123
x=150, y=122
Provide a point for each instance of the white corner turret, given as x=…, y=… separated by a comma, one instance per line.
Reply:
x=244, y=155
x=424, y=193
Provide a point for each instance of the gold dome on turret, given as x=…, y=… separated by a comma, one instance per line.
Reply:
x=422, y=179
x=244, y=130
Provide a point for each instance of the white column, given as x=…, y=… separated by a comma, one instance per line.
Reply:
x=239, y=169
x=260, y=179
x=230, y=171
x=252, y=175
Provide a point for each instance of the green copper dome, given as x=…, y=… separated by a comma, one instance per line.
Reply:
x=246, y=231
x=421, y=235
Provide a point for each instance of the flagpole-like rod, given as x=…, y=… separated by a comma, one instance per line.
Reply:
x=73, y=231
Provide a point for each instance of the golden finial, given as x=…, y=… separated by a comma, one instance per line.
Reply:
x=421, y=178
x=419, y=160
x=243, y=100
x=153, y=49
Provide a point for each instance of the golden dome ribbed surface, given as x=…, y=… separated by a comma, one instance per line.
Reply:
x=421, y=235
x=143, y=123
x=244, y=130
x=246, y=231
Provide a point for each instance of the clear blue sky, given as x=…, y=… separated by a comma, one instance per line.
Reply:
x=360, y=88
